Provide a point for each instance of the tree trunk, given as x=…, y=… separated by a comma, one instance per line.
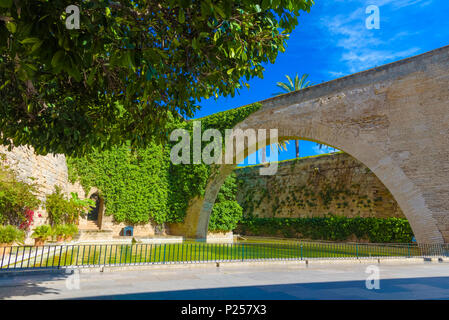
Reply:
x=264, y=154
x=297, y=148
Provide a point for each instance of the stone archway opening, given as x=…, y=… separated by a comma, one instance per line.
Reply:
x=200, y=209
x=93, y=220
x=93, y=213
x=319, y=185
x=392, y=177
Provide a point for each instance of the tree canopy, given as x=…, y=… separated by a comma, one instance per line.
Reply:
x=129, y=68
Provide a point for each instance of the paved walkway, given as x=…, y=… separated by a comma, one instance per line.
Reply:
x=336, y=281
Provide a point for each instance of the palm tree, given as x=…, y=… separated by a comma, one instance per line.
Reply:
x=290, y=86
x=300, y=83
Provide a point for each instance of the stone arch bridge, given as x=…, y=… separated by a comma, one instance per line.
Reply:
x=394, y=119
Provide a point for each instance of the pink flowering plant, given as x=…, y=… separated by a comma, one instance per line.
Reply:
x=29, y=218
x=18, y=199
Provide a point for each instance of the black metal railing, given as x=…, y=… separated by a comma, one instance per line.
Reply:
x=59, y=256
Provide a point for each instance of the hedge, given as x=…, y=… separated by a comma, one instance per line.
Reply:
x=331, y=228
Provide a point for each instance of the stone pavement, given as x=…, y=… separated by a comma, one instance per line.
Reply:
x=422, y=280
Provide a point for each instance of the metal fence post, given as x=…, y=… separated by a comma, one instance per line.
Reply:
x=301, y=251
x=164, y=254
x=59, y=260
x=243, y=251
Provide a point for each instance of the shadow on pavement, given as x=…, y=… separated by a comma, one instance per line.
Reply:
x=406, y=288
x=29, y=284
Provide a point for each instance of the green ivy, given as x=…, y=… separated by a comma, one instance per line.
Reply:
x=332, y=228
x=226, y=212
x=142, y=185
x=134, y=185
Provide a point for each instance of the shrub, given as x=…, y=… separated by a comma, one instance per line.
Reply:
x=29, y=218
x=72, y=229
x=332, y=228
x=78, y=207
x=226, y=212
x=62, y=210
x=59, y=230
x=56, y=206
x=42, y=232
x=10, y=234
x=17, y=198
x=64, y=230
x=225, y=216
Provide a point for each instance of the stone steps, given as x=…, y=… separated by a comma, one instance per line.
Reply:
x=89, y=225
x=92, y=235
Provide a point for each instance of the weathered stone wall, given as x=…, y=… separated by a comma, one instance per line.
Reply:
x=139, y=230
x=314, y=187
x=46, y=171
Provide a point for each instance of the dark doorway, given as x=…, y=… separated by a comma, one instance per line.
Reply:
x=93, y=213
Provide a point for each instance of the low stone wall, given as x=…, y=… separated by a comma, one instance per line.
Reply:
x=94, y=235
x=139, y=230
x=220, y=237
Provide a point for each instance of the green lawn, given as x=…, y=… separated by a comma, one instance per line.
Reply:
x=190, y=252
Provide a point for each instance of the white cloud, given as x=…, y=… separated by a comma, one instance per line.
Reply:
x=398, y=4
x=367, y=58
x=337, y=74
x=363, y=48
x=324, y=149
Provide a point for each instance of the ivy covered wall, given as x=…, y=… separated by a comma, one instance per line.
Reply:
x=140, y=186
x=327, y=197
x=316, y=186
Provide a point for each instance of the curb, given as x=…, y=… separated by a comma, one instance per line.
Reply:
x=26, y=272
x=222, y=265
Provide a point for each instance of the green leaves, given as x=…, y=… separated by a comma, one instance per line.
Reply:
x=42, y=232
x=62, y=210
x=226, y=213
x=290, y=86
x=143, y=185
x=15, y=197
x=181, y=16
x=57, y=59
x=220, y=12
x=192, y=49
x=10, y=234
x=134, y=185
x=29, y=40
x=5, y=3
x=91, y=77
x=332, y=228
x=11, y=26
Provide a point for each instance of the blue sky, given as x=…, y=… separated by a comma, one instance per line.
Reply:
x=332, y=41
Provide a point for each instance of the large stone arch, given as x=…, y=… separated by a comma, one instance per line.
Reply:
x=394, y=119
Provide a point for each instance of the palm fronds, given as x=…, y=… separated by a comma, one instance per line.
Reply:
x=290, y=86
